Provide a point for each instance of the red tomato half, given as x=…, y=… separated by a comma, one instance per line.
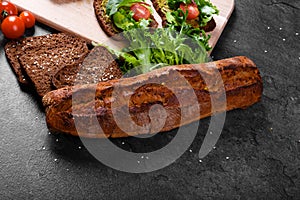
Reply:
x=8, y=7
x=28, y=19
x=192, y=9
x=140, y=11
x=13, y=27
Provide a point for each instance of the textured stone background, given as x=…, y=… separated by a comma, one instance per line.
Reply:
x=257, y=156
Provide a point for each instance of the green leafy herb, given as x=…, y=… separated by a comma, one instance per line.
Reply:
x=177, y=21
x=151, y=49
x=122, y=16
x=112, y=6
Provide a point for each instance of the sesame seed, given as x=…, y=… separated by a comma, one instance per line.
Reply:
x=191, y=150
x=200, y=161
x=283, y=39
x=297, y=34
x=266, y=51
x=227, y=158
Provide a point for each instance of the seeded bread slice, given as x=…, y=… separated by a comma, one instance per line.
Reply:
x=41, y=65
x=106, y=23
x=16, y=48
x=99, y=65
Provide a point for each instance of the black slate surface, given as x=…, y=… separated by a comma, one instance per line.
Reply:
x=257, y=156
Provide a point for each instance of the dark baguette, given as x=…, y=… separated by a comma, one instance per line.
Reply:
x=242, y=83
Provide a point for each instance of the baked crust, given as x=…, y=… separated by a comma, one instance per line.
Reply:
x=241, y=78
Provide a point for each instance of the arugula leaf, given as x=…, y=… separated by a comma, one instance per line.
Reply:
x=151, y=49
x=112, y=6
x=206, y=8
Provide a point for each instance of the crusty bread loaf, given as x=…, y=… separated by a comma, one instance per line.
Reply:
x=106, y=23
x=14, y=49
x=54, y=52
x=98, y=65
x=241, y=79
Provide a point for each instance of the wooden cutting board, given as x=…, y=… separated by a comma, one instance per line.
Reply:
x=77, y=16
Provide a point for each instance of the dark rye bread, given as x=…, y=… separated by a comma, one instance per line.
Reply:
x=41, y=65
x=106, y=23
x=99, y=65
x=161, y=8
x=16, y=48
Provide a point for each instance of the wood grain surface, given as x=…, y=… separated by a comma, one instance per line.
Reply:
x=77, y=16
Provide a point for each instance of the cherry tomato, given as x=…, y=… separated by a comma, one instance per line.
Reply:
x=140, y=11
x=28, y=19
x=12, y=27
x=9, y=8
x=192, y=9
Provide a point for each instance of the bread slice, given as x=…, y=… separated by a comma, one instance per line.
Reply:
x=16, y=48
x=99, y=65
x=106, y=23
x=55, y=52
x=161, y=8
